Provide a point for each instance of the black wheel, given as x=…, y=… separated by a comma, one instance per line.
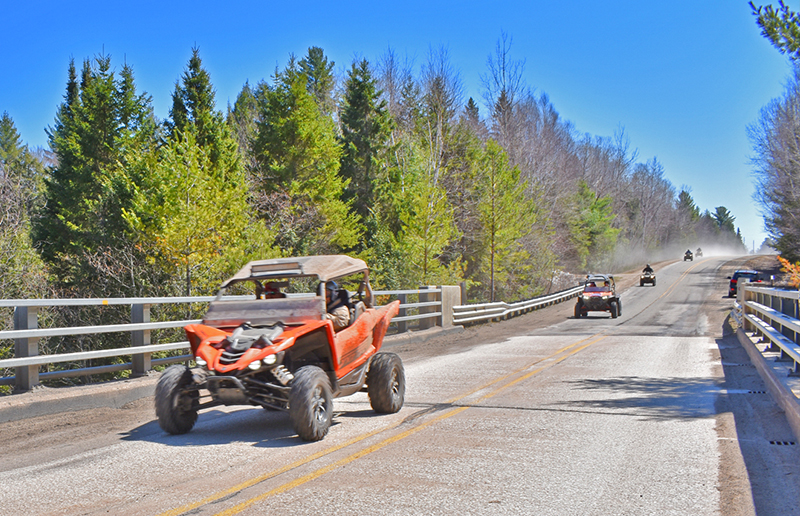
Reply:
x=654, y=282
x=641, y=283
x=614, y=309
x=311, y=403
x=619, y=307
x=577, y=309
x=176, y=407
x=386, y=383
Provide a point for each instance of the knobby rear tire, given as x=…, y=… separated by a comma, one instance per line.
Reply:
x=386, y=383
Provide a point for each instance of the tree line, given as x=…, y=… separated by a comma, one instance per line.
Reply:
x=776, y=137
x=388, y=162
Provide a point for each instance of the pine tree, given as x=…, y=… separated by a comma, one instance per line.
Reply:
x=191, y=212
x=101, y=121
x=320, y=80
x=22, y=273
x=366, y=127
x=297, y=184
x=242, y=119
x=193, y=109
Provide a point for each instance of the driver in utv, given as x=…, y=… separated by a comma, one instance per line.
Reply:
x=337, y=310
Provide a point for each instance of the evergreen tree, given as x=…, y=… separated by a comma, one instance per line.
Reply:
x=22, y=273
x=298, y=187
x=242, y=119
x=590, y=223
x=101, y=121
x=319, y=78
x=724, y=219
x=193, y=108
x=687, y=207
x=366, y=127
x=781, y=26
x=191, y=211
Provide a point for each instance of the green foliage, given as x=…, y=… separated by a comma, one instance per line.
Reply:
x=366, y=127
x=296, y=170
x=22, y=273
x=193, y=109
x=428, y=227
x=320, y=80
x=242, y=121
x=506, y=215
x=190, y=213
x=102, y=121
x=590, y=225
x=191, y=224
x=723, y=219
x=781, y=26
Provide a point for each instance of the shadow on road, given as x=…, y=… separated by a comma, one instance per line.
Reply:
x=262, y=428
x=650, y=398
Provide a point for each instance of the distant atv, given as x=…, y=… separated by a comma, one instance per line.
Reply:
x=699, y=253
x=647, y=277
x=599, y=295
x=688, y=256
x=278, y=351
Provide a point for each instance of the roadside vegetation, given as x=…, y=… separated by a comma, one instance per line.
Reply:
x=388, y=162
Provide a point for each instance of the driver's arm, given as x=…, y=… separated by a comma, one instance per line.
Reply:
x=340, y=317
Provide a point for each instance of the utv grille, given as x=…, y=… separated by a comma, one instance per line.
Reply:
x=229, y=357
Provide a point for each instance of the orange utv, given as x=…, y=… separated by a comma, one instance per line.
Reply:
x=276, y=349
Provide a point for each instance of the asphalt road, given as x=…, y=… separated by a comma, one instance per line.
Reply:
x=655, y=412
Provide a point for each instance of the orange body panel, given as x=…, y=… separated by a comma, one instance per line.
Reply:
x=356, y=343
x=350, y=347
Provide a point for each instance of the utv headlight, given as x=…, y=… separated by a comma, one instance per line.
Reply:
x=255, y=365
x=199, y=361
x=270, y=359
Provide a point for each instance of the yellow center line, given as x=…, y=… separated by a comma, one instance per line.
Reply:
x=669, y=290
x=524, y=377
x=253, y=481
x=327, y=469
x=302, y=480
x=528, y=366
x=672, y=287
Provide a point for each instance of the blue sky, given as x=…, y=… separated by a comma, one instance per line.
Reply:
x=683, y=78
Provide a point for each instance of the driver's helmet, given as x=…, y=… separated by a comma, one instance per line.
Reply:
x=648, y=265
x=331, y=287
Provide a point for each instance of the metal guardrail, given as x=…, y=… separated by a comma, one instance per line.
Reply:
x=466, y=314
x=26, y=333
x=774, y=315
x=427, y=310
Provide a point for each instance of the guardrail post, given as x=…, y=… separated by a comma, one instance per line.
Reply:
x=451, y=296
x=428, y=322
x=26, y=318
x=402, y=326
x=141, y=363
